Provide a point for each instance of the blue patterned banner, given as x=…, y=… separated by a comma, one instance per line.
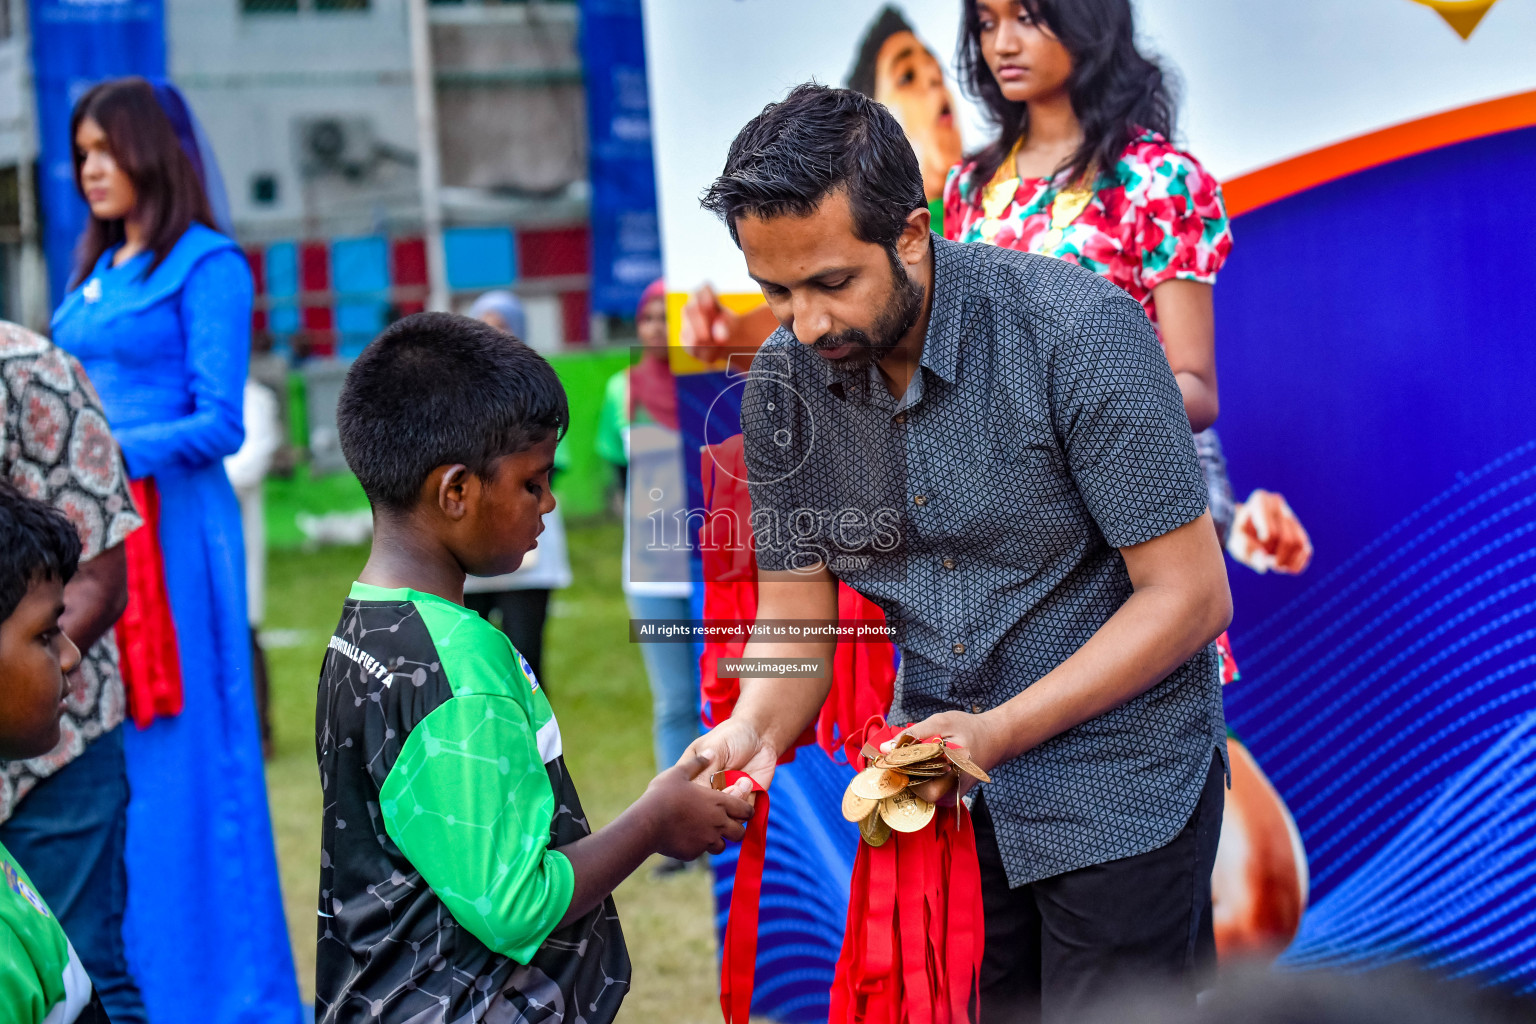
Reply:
x=626, y=248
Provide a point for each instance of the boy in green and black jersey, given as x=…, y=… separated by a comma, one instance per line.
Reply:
x=459, y=879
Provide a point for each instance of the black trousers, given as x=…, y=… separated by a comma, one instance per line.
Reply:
x=1060, y=944
x=519, y=614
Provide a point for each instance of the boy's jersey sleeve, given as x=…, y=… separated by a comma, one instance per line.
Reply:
x=469, y=803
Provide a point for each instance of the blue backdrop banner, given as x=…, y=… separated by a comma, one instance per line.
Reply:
x=626, y=246
x=74, y=46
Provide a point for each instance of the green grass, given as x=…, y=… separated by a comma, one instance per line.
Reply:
x=596, y=683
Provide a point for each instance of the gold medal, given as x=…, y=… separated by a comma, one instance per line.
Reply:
x=961, y=759
x=857, y=808
x=905, y=812
x=912, y=753
x=874, y=829
x=877, y=783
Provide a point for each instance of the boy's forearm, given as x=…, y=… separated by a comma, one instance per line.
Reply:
x=605, y=858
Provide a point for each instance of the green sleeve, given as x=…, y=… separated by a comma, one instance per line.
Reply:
x=21, y=988
x=469, y=803
x=612, y=420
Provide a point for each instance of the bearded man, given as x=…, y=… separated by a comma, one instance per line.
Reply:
x=990, y=445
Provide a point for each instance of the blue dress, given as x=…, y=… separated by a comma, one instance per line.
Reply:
x=168, y=354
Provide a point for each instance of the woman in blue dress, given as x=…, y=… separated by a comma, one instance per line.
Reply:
x=159, y=315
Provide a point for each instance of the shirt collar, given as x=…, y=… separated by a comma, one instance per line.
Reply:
x=941, y=341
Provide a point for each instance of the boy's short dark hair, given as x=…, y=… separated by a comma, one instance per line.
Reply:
x=815, y=141
x=37, y=542
x=437, y=389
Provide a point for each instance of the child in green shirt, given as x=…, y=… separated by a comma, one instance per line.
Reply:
x=41, y=979
x=459, y=879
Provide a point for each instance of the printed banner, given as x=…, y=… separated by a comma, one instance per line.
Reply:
x=626, y=250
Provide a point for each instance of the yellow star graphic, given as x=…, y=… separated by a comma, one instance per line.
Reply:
x=1461, y=15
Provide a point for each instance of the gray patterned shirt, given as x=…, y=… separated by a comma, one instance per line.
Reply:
x=983, y=512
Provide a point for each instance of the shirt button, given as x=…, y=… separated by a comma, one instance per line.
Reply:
x=958, y=648
x=919, y=499
x=901, y=417
x=949, y=563
x=975, y=709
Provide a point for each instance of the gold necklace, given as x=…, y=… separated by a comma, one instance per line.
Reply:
x=1066, y=206
x=1003, y=186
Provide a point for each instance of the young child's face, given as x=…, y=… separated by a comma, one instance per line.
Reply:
x=35, y=655
x=505, y=521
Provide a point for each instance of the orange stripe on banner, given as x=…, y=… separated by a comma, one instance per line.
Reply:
x=1277, y=181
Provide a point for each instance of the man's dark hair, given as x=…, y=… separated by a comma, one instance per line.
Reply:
x=814, y=142
x=887, y=23
x=437, y=389
x=37, y=542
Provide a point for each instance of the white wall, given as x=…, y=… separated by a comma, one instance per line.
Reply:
x=250, y=77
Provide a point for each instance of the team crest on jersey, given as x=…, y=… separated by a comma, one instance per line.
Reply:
x=14, y=880
x=533, y=681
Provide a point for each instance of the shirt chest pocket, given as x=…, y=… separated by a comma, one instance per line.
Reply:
x=1025, y=485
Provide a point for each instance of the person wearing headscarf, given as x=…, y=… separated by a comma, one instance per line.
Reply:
x=159, y=315
x=517, y=603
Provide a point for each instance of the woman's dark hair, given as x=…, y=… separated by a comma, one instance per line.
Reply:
x=170, y=196
x=437, y=389
x=815, y=141
x=1116, y=91
x=37, y=543
x=889, y=22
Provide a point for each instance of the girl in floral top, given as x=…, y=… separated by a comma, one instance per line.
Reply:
x=1083, y=170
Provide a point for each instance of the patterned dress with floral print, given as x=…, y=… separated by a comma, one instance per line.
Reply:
x=55, y=447
x=1157, y=217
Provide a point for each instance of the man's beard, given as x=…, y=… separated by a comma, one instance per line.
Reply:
x=894, y=321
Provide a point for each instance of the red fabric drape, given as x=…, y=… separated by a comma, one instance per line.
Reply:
x=863, y=674
x=146, y=633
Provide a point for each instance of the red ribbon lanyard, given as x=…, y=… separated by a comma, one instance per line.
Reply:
x=738, y=962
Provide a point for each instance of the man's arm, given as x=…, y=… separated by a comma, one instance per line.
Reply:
x=772, y=713
x=95, y=597
x=1180, y=603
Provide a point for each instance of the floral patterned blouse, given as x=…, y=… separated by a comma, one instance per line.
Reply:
x=1162, y=219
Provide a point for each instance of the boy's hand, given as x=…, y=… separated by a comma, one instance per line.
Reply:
x=734, y=744
x=689, y=819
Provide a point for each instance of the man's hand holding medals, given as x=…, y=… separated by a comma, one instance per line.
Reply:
x=904, y=783
x=913, y=942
